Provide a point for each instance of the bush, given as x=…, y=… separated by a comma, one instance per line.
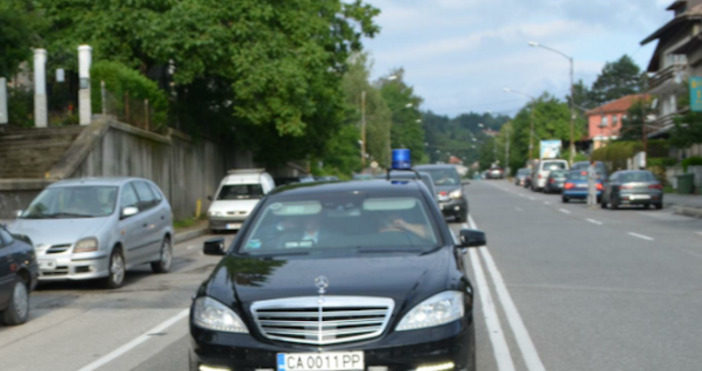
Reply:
x=20, y=107
x=120, y=79
x=661, y=162
x=691, y=161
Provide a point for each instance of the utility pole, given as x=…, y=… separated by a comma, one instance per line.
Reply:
x=363, y=130
x=572, y=114
x=645, y=133
x=507, y=149
x=531, y=132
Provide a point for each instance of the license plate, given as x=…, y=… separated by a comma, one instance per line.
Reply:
x=582, y=185
x=47, y=264
x=234, y=226
x=640, y=197
x=328, y=361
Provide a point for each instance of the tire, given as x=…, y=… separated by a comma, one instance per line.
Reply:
x=460, y=218
x=603, y=204
x=614, y=204
x=471, y=352
x=658, y=205
x=116, y=270
x=565, y=200
x=163, y=265
x=17, y=310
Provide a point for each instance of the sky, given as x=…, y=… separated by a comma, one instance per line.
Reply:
x=460, y=54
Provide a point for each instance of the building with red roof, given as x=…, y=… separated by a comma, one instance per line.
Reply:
x=605, y=122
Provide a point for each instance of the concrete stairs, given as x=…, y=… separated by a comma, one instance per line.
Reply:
x=30, y=153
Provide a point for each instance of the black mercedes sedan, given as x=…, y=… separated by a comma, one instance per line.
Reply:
x=18, y=276
x=449, y=187
x=361, y=275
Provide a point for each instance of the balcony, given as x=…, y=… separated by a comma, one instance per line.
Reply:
x=667, y=80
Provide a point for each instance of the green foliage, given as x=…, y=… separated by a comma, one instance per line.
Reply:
x=406, y=130
x=688, y=126
x=120, y=79
x=691, y=161
x=617, y=153
x=633, y=124
x=342, y=154
x=617, y=79
x=17, y=34
x=488, y=153
x=661, y=161
x=20, y=106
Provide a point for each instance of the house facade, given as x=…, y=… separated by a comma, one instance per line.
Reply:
x=605, y=122
x=677, y=56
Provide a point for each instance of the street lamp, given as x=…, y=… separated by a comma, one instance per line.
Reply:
x=572, y=96
x=531, y=119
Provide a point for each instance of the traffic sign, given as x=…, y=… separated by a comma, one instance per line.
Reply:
x=696, y=94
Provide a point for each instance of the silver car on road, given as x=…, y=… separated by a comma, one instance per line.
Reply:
x=98, y=228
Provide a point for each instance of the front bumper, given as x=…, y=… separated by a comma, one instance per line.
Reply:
x=397, y=351
x=226, y=223
x=72, y=267
x=454, y=207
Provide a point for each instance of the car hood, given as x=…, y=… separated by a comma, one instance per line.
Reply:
x=402, y=277
x=225, y=206
x=57, y=231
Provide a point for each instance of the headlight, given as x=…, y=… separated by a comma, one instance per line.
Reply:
x=456, y=194
x=213, y=315
x=86, y=245
x=216, y=213
x=438, y=310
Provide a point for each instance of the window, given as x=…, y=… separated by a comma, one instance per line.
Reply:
x=240, y=192
x=129, y=197
x=73, y=202
x=5, y=238
x=615, y=120
x=603, y=123
x=146, y=197
x=157, y=192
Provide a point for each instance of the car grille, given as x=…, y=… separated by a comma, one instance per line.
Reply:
x=56, y=249
x=322, y=320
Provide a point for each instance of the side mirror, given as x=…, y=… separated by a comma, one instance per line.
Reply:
x=129, y=211
x=18, y=213
x=214, y=246
x=472, y=238
x=209, y=198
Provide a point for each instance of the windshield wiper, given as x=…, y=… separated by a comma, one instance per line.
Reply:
x=276, y=254
x=380, y=250
x=67, y=215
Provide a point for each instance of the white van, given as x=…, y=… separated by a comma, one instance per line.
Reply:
x=236, y=197
x=541, y=171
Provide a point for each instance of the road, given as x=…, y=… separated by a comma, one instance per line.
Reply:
x=561, y=287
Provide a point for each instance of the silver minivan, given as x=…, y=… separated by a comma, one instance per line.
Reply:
x=98, y=228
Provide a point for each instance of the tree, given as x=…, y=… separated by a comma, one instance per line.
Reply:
x=617, y=79
x=688, y=126
x=633, y=124
x=406, y=130
x=265, y=72
x=583, y=97
x=16, y=35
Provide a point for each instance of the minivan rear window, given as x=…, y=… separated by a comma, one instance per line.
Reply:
x=553, y=165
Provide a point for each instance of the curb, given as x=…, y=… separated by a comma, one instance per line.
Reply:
x=687, y=210
x=190, y=234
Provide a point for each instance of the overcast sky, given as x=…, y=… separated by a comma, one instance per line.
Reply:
x=459, y=54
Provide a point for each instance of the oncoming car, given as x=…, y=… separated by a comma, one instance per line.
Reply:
x=338, y=276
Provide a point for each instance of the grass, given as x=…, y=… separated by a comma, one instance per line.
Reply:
x=187, y=223
x=668, y=189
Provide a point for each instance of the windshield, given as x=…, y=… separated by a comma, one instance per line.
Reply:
x=240, y=192
x=73, y=202
x=577, y=175
x=639, y=176
x=444, y=177
x=558, y=174
x=340, y=222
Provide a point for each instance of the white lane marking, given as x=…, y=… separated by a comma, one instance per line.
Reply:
x=593, y=221
x=134, y=343
x=641, y=236
x=532, y=198
x=700, y=233
x=546, y=203
x=518, y=208
x=564, y=211
x=521, y=334
x=503, y=356
x=192, y=247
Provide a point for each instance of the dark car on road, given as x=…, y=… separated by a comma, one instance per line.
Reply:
x=338, y=276
x=403, y=175
x=18, y=276
x=522, y=175
x=576, y=186
x=555, y=181
x=495, y=172
x=632, y=187
x=452, y=200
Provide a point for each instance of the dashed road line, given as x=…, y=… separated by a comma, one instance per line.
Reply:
x=593, y=221
x=564, y=211
x=518, y=208
x=641, y=236
x=532, y=198
x=546, y=203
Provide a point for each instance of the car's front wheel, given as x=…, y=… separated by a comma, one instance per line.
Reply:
x=163, y=265
x=116, y=269
x=18, y=309
x=565, y=199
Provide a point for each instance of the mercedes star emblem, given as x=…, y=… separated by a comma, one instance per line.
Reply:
x=322, y=283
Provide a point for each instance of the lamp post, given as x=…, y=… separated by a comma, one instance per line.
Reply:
x=531, y=119
x=572, y=96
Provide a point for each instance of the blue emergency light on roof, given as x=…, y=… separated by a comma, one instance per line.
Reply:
x=401, y=159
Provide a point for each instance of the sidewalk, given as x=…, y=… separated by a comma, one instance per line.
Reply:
x=184, y=234
x=690, y=205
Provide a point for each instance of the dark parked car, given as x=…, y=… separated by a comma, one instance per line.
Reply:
x=576, y=186
x=632, y=187
x=452, y=200
x=19, y=273
x=495, y=173
x=522, y=175
x=338, y=276
x=555, y=181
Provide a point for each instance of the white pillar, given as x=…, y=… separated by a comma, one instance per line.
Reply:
x=3, y=102
x=84, y=61
x=41, y=117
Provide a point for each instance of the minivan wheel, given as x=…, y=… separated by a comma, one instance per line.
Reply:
x=116, y=270
x=163, y=265
x=18, y=309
